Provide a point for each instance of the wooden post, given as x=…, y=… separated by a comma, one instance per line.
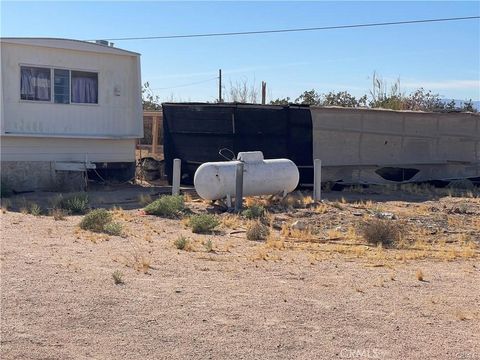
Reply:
x=264, y=92
x=317, y=180
x=154, y=134
x=177, y=164
x=220, y=86
x=239, y=187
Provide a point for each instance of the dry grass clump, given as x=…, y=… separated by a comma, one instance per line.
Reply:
x=231, y=221
x=58, y=214
x=275, y=242
x=101, y=221
x=203, y=223
x=296, y=200
x=384, y=232
x=419, y=275
x=257, y=231
x=169, y=206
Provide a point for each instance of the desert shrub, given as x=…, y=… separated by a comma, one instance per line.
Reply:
x=100, y=220
x=180, y=242
x=74, y=204
x=96, y=220
x=254, y=212
x=383, y=232
x=203, y=223
x=167, y=206
x=113, y=228
x=257, y=231
x=118, y=277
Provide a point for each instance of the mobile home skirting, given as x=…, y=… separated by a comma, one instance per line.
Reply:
x=355, y=145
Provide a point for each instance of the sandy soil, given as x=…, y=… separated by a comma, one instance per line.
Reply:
x=244, y=300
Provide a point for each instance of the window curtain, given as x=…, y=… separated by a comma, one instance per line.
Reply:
x=84, y=90
x=35, y=84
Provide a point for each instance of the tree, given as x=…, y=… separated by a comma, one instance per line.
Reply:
x=342, y=98
x=451, y=106
x=284, y=101
x=243, y=92
x=309, y=98
x=424, y=100
x=149, y=100
x=468, y=106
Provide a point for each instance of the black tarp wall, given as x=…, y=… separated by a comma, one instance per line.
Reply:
x=195, y=133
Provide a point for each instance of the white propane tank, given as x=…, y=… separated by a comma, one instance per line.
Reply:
x=216, y=180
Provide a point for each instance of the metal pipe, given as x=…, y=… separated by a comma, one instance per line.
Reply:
x=177, y=164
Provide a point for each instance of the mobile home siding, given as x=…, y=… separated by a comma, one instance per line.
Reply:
x=355, y=145
x=42, y=141
x=113, y=116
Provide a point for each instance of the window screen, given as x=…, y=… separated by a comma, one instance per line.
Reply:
x=61, y=86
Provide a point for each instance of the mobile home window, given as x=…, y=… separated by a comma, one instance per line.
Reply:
x=35, y=83
x=84, y=87
x=61, y=86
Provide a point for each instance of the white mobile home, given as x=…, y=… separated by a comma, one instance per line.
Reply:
x=67, y=106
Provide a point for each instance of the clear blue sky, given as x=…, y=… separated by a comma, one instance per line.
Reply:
x=443, y=57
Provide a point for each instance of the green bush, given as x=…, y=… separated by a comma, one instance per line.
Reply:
x=203, y=223
x=257, y=231
x=181, y=242
x=167, y=206
x=100, y=220
x=113, y=228
x=74, y=204
x=254, y=212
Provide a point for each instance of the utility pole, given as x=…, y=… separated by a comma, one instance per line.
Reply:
x=220, y=86
x=264, y=92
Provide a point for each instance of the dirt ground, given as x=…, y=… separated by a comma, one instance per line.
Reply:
x=318, y=291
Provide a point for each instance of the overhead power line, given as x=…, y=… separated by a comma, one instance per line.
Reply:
x=184, y=85
x=406, y=22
